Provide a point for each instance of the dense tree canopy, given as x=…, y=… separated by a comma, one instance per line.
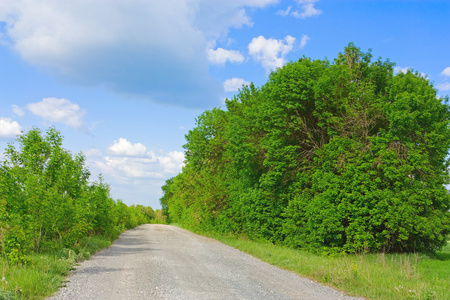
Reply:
x=329, y=156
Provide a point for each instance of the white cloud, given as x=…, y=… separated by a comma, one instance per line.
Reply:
x=234, y=84
x=93, y=153
x=125, y=148
x=220, y=56
x=171, y=162
x=307, y=10
x=446, y=71
x=18, y=111
x=444, y=86
x=135, y=175
x=149, y=49
x=284, y=12
x=58, y=110
x=270, y=53
x=9, y=128
x=130, y=167
x=214, y=18
x=304, y=41
x=134, y=162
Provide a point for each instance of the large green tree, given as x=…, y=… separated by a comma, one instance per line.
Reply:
x=335, y=156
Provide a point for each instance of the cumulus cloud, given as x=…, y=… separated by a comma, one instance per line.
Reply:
x=9, y=128
x=446, y=71
x=172, y=162
x=135, y=162
x=18, y=111
x=307, y=9
x=270, y=52
x=220, y=56
x=149, y=49
x=234, y=84
x=58, y=110
x=131, y=168
x=124, y=147
x=136, y=179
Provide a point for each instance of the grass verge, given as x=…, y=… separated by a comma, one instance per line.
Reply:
x=372, y=276
x=45, y=272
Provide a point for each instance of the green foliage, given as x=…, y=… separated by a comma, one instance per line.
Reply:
x=46, y=271
x=13, y=248
x=341, y=156
x=47, y=201
x=51, y=215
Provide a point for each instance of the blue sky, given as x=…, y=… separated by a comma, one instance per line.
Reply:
x=124, y=80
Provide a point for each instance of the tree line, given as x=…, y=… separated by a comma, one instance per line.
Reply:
x=47, y=201
x=341, y=156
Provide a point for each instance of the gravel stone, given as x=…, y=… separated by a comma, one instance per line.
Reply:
x=166, y=262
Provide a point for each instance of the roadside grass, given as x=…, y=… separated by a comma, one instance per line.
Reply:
x=372, y=276
x=45, y=272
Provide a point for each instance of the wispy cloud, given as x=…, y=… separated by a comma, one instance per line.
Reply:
x=59, y=111
x=444, y=86
x=285, y=12
x=17, y=110
x=304, y=41
x=307, y=10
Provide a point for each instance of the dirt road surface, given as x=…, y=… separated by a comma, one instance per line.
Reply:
x=166, y=262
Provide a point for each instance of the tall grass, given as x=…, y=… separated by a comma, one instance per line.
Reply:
x=373, y=276
x=45, y=272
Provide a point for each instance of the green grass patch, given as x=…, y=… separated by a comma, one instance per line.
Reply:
x=45, y=272
x=372, y=276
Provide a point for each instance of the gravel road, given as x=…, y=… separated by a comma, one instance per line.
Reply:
x=166, y=262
